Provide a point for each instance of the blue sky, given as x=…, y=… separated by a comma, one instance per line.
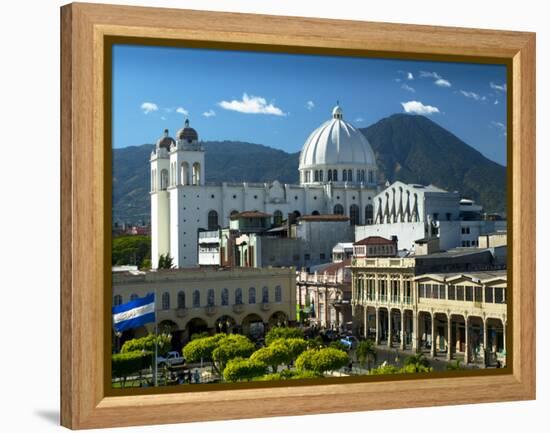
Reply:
x=278, y=99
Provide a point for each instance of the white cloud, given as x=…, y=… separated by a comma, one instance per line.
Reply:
x=496, y=102
x=162, y=118
x=252, y=105
x=209, y=113
x=471, y=95
x=149, y=107
x=417, y=107
x=438, y=79
x=410, y=76
x=182, y=110
x=426, y=74
x=408, y=88
x=441, y=82
x=397, y=80
x=499, y=126
x=499, y=87
x=310, y=105
x=359, y=119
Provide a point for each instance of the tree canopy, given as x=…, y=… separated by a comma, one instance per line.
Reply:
x=130, y=250
x=366, y=353
x=147, y=343
x=243, y=369
x=322, y=360
x=281, y=332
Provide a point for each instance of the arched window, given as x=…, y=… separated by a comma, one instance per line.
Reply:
x=277, y=217
x=196, y=298
x=181, y=299
x=211, y=298
x=196, y=173
x=369, y=214
x=335, y=175
x=233, y=213
x=315, y=212
x=225, y=297
x=165, y=301
x=212, y=220
x=329, y=175
x=117, y=300
x=338, y=209
x=265, y=295
x=359, y=175
x=350, y=175
x=371, y=176
x=278, y=294
x=297, y=214
x=164, y=179
x=354, y=215
x=344, y=175
x=316, y=177
x=133, y=297
x=252, y=295
x=362, y=175
x=239, y=296
x=320, y=175
x=184, y=173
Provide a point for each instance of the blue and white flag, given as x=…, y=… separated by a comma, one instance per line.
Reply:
x=134, y=313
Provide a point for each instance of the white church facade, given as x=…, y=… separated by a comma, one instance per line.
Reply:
x=338, y=175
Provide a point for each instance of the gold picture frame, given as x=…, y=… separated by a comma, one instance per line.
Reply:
x=87, y=32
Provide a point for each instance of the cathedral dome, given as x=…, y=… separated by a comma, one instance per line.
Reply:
x=187, y=134
x=165, y=141
x=336, y=145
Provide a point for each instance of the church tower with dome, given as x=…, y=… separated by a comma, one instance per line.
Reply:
x=338, y=175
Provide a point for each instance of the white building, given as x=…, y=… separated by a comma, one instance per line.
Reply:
x=412, y=212
x=338, y=175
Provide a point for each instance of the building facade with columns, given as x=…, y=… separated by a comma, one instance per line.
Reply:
x=338, y=175
x=446, y=303
x=244, y=300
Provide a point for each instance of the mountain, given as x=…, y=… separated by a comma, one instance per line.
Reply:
x=409, y=148
x=414, y=149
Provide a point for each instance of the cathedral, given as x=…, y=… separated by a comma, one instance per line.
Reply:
x=338, y=175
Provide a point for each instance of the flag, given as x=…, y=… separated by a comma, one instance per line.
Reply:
x=134, y=313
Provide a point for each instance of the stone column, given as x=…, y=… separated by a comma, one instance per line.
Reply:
x=377, y=326
x=485, y=337
x=466, y=341
x=389, y=327
x=402, y=329
x=365, y=321
x=414, y=342
x=433, y=350
x=449, y=338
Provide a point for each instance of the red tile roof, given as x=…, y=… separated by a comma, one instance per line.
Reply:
x=250, y=214
x=323, y=218
x=374, y=240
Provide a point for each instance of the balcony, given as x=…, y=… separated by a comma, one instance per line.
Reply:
x=210, y=310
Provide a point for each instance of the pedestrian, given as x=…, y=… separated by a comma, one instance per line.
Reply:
x=197, y=376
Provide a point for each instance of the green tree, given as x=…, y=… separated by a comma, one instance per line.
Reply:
x=418, y=362
x=290, y=374
x=128, y=363
x=338, y=345
x=280, y=351
x=230, y=347
x=146, y=264
x=385, y=369
x=165, y=261
x=147, y=343
x=322, y=360
x=201, y=348
x=315, y=343
x=280, y=332
x=366, y=353
x=239, y=369
x=130, y=250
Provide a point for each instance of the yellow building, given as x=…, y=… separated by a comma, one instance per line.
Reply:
x=244, y=300
x=400, y=303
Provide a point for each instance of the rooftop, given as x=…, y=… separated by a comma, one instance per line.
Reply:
x=375, y=240
x=323, y=218
x=250, y=214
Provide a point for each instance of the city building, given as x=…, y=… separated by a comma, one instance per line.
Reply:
x=426, y=302
x=338, y=175
x=252, y=239
x=411, y=212
x=244, y=300
x=324, y=296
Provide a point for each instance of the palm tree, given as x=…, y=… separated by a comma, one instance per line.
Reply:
x=366, y=352
x=419, y=362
